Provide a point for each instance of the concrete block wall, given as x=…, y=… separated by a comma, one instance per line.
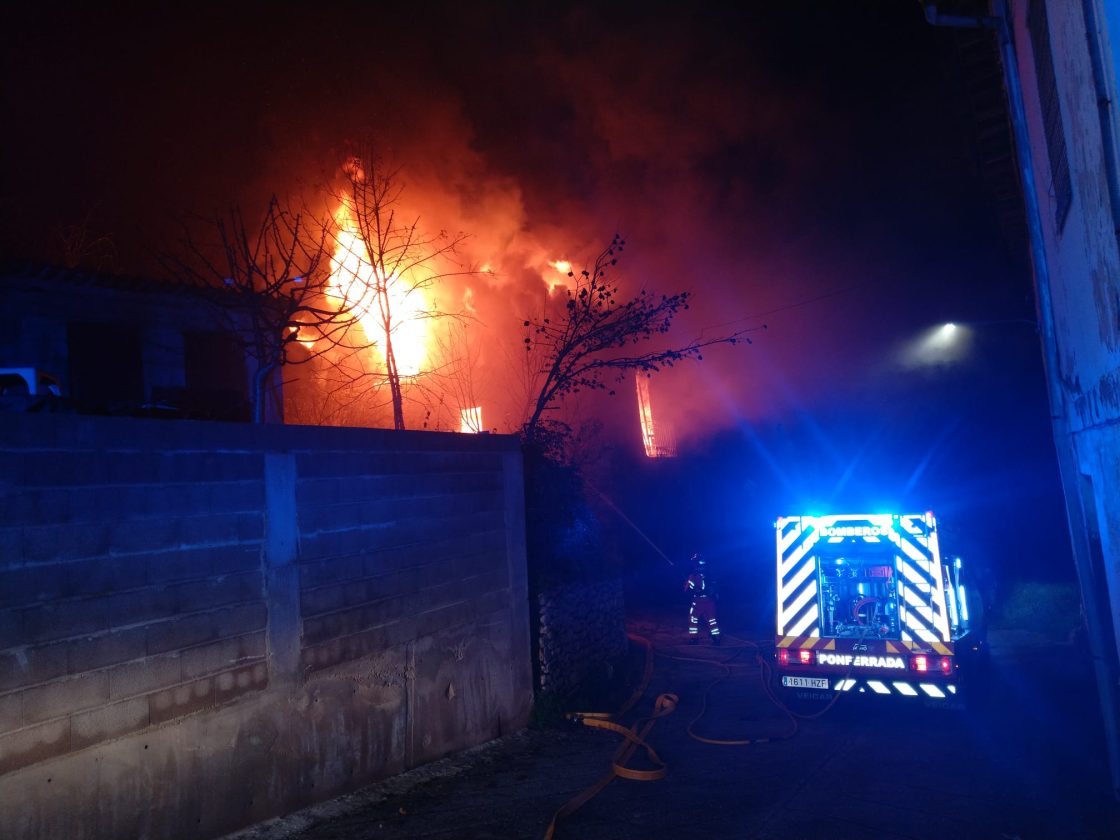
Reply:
x=203, y=625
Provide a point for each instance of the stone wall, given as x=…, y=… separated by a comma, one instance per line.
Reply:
x=582, y=627
x=203, y=625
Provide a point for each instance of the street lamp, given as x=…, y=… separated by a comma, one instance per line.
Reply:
x=944, y=344
x=949, y=343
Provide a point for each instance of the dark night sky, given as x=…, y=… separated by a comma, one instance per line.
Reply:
x=808, y=165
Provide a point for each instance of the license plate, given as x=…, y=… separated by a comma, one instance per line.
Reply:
x=805, y=682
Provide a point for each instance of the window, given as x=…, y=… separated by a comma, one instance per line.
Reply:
x=214, y=361
x=106, y=367
x=217, y=385
x=1061, y=187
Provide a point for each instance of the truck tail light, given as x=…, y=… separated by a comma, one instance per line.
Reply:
x=919, y=663
x=946, y=664
x=783, y=656
x=806, y=656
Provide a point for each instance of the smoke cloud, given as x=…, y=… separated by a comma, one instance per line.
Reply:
x=745, y=154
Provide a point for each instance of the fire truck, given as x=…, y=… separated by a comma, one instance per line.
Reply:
x=867, y=604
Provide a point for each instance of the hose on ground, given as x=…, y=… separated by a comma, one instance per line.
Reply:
x=665, y=704
x=633, y=736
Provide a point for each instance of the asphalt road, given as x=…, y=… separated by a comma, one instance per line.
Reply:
x=1030, y=764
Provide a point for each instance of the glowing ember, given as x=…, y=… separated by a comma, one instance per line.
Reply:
x=383, y=305
x=563, y=266
x=471, y=420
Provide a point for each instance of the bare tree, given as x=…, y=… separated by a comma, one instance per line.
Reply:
x=81, y=247
x=393, y=262
x=320, y=396
x=452, y=396
x=599, y=335
x=271, y=287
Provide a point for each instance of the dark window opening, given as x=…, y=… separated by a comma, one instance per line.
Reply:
x=106, y=367
x=216, y=384
x=1061, y=184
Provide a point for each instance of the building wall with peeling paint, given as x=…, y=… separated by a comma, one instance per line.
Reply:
x=1070, y=117
x=203, y=625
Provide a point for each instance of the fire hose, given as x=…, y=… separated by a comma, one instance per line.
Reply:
x=633, y=737
x=665, y=704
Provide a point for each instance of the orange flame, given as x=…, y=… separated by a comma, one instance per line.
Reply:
x=656, y=438
x=308, y=343
x=564, y=268
x=471, y=420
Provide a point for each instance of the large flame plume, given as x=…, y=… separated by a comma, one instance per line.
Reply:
x=389, y=307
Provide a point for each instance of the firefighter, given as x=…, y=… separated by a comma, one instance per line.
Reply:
x=703, y=608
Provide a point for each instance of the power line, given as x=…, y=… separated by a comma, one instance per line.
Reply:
x=789, y=306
